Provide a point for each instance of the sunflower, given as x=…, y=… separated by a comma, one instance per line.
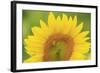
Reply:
x=60, y=39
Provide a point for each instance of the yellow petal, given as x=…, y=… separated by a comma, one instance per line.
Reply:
x=59, y=25
x=32, y=40
x=81, y=37
x=39, y=32
x=43, y=24
x=33, y=44
x=51, y=22
x=44, y=28
x=73, y=23
x=82, y=34
x=35, y=58
x=77, y=30
x=65, y=20
x=82, y=48
x=32, y=51
x=70, y=23
x=81, y=40
x=65, y=23
x=36, y=30
x=77, y=56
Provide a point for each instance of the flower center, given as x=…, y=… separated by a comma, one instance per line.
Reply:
x=58, y=47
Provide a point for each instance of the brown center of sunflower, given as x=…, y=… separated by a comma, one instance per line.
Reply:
x=58, y=47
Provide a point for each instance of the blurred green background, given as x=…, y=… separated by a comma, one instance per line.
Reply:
x=31, y=18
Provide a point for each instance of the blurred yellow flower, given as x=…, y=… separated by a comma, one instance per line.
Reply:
x=60, y=39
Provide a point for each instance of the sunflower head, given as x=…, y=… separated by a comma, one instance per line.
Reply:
x=60, y=39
